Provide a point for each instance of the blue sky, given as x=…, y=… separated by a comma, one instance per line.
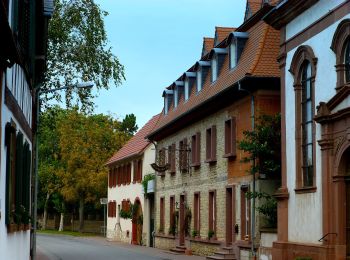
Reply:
x=156, y=41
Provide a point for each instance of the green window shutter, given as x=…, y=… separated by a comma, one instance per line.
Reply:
x=19, y=174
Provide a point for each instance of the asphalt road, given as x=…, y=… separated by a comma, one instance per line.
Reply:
x=58, y=247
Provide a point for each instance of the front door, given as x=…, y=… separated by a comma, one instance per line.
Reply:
x=182, y=221
x=230, y=210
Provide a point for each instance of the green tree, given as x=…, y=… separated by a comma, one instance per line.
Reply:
x=263, y=150
x=86, y=142
x=263, y=146
x=50, y=163
x=129, y=125
x=78, y=51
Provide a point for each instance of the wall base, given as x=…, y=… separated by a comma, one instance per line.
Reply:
x=291, y=250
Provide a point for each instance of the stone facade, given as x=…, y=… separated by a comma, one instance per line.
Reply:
x=207, y=177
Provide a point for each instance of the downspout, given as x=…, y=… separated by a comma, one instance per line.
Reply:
x=155, y=186
x=252, y=105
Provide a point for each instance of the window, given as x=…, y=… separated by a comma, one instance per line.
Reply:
x=245, y=213
x=233, y=55
x=176, y=97
x=183, y=155
x=137, y=171
x=214, y=68
x=112, y=208
x=171, y=158
x=161, y=215
x=172, y=216
x=230, y=137
x=197, y=213
x=307, y=125
x=211, y=144
x=212, y=212
x=303, y=68
x=199, y=79
x=166, y=108
x=110, y=178
x=347, y=61
x=195, y=149
x=18, y=172
x=114, y=177
x=187, y=90
x=341, y=48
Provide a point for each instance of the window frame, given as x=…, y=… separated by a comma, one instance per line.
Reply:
x=233, y=54
x=199, y=80
x=230, y=138
x=302, y=55
x=211, y=144
x=196, y=150
x=214, y=69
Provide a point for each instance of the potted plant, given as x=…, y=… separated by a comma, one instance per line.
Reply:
x=195, y=233
x=211, y=234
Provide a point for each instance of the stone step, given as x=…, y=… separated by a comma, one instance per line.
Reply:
x=179, y=250
x=225, y=255
x=227, y=249
x=219, y=257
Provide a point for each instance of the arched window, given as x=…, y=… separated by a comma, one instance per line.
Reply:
x=303, y=68
x=341, y=47
x=307, y=125
x=347, y=61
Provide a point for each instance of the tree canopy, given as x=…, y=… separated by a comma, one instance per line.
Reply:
x=74, y=148
x=78, y=51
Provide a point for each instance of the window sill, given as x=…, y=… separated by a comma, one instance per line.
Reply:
x=229, y=155
x=210, y=161
x=195, y=165
x=205, y=241
x=162, y=235
x=305, y=190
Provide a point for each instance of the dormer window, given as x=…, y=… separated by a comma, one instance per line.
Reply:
x=214, y=68
x=187, y=88
x=233, y=55
x=166, y=108
x=199, y=79
x=176, y=97
x=168, y=96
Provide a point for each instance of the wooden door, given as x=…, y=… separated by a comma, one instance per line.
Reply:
x=229, y=216
x=182, y=221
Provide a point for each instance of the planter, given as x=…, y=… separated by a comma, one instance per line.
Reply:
x=11, y=228
x=20, y=227
x=26, y=227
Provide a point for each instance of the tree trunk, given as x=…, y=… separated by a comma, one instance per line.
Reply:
x=45, y=211
x=81, y=215
x=62, y=218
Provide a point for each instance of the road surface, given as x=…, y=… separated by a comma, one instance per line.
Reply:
x=60, y=247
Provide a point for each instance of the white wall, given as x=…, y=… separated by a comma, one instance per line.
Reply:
x=118, y=227
x=15, y=245
x=311, y=15
x=303, y=227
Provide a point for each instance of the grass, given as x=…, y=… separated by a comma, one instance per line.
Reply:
x=67, y=233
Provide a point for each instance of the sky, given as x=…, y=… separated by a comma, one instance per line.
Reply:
x=157, y=41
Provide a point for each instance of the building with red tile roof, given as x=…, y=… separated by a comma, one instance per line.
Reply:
x=127, y=168
x=206, y=110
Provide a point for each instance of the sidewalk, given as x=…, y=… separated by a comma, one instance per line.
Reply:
x=150, y=251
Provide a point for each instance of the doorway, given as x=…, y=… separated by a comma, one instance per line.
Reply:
x=137, y=223
x=182, y=221
x=230, y=216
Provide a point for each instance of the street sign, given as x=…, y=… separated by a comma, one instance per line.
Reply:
x=103, y=201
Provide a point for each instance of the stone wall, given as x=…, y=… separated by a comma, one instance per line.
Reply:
x=207, y=177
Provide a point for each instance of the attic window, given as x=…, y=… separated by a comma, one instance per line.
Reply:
x=176, y=97
x=166, y=108
x=187, y=88
x=199, y=79
x=214, y=68
x=233, y=55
